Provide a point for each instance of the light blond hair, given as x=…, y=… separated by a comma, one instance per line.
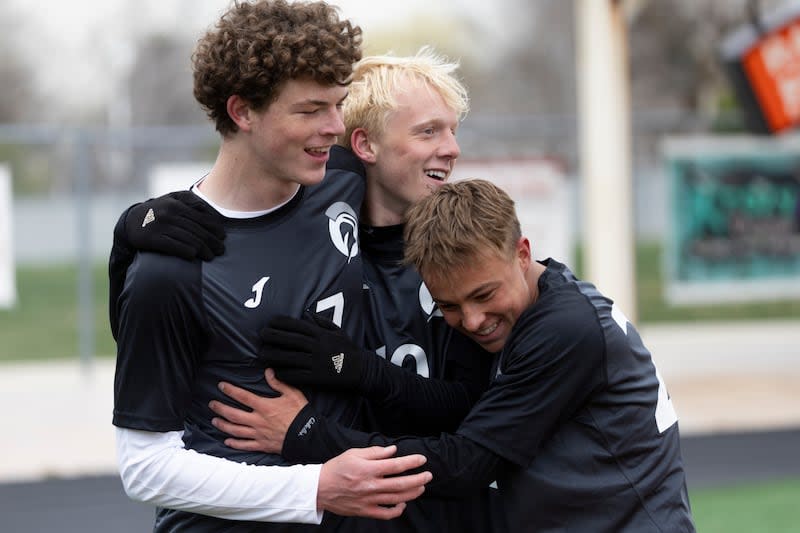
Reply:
x=458, y=222
x=377, y=79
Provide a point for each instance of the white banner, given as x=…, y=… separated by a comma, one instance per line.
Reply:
x=8, y=285
x=542, y=196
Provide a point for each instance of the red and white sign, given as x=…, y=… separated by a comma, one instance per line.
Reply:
x=772, y=66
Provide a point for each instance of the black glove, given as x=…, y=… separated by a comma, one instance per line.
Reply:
x=314, y=352
x=178, y=224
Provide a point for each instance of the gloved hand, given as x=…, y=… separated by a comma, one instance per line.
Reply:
x=314, y=351
x=178, y=224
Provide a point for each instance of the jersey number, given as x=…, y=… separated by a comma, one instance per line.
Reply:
x=665, y=411
x=335, y=302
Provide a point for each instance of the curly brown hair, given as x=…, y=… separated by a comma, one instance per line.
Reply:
x=256, y=47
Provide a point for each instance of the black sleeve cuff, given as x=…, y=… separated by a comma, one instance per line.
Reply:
x=302, y=442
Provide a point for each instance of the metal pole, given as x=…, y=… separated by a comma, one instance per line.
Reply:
x=605, y=150
x=83, y=179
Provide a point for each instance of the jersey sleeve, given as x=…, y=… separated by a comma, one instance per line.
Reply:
x=553, y=361
x=161, y=334
x=459, y=465
x=121, y=257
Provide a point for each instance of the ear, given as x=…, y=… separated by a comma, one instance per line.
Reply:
x=361, y=145
x=240, y=112
x=523, y=253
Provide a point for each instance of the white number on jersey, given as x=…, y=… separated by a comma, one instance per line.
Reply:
x=665, y=411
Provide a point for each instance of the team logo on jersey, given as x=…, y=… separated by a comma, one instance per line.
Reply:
x=343, y=226
x=427, y=303
x=258, y=292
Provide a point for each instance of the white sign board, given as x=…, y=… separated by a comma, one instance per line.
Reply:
x=8, y=285
x=169, y=177
x=542, y=196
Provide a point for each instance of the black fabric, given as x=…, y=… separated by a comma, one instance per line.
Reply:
x=576, y=424
x=184, y=326
x=312, y=351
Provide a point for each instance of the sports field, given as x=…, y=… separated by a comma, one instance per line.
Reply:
x=748, y=508
x=44, y=326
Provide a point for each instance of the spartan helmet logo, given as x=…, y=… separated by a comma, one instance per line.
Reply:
x=343, y=226
x=427, y=303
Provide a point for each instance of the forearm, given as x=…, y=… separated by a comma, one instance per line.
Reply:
x=459, y=465
x=410, y=403
x=155, y=468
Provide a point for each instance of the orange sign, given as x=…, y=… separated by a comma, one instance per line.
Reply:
x=773, y=67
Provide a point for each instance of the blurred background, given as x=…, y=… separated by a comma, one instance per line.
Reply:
x=682, y=201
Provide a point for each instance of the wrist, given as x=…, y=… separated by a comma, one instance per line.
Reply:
x=299, y=435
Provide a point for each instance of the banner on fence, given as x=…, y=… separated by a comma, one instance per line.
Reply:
x=543, y=199
x=735, y=219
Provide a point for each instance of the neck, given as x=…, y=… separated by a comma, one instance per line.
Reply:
x=534, y=273
x=380, y=209
x=239, y=183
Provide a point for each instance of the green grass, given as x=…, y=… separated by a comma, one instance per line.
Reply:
x=768, y=507
x=44, y=324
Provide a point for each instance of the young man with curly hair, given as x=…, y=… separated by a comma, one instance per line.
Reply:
x=273, y=76
x=401, y=117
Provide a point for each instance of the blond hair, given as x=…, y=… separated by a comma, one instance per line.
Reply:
x=459, y=221
x=377, y=79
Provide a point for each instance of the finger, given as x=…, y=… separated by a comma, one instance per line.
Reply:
x=322, y=321
x=182, y=237
x=397, y=465
x=295, y=376
x=235, y=430
x=276, y=384
x=198, y=225
x=375, y=452
x=243, y=396
x=246, y=445
x=230, y=413
x=283, y=388
x=385, y=513
x=402, y=484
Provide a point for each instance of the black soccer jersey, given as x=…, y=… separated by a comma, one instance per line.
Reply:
x=406, y=328
x=579, y=409
x=185, y=326
x=576, y=424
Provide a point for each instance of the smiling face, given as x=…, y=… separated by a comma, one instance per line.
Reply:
x=413, y=154
x=292, y=137
x=484, y=298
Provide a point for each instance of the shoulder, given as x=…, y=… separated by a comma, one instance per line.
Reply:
x=162, y=274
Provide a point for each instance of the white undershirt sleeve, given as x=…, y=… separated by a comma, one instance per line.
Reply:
x=156, y=468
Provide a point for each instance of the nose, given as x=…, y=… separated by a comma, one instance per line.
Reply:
x=334, y=123
x=472, y=318
x=449, y=147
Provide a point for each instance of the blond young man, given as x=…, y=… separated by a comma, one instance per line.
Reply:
x=401, y=118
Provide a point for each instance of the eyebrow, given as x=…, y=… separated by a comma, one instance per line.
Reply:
x=312, y=101
x=472, y=294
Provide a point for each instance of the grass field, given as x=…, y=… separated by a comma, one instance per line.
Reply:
x=754, y=508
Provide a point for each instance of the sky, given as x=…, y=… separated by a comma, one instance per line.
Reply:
x=79, y=43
